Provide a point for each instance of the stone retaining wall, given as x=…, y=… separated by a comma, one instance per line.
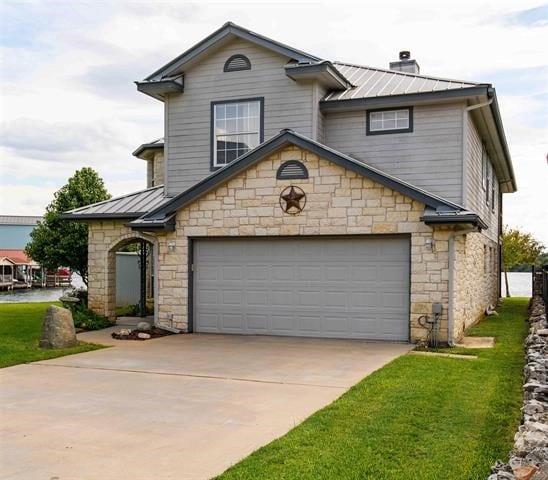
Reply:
x=529, y=458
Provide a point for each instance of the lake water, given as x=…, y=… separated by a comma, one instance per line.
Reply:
x=24, y=295
x=519, y=282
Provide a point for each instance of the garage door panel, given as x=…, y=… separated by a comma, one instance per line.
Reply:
x=257, y=322
x=257, y=298
x=256, y=272
x=328, y=287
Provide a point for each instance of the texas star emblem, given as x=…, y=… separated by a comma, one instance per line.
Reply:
x=292, y=200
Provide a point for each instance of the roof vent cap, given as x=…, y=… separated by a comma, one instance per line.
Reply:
x=405, y=55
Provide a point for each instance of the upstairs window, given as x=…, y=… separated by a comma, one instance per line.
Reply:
x=392, y=120
x=237, y=128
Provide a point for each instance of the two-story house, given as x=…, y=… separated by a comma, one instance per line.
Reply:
x=292, y=195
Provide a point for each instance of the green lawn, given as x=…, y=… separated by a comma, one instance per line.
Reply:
x=20, y=328
x=423, y=418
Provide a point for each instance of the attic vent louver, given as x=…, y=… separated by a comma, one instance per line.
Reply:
x=237, y=62
x=290, y=170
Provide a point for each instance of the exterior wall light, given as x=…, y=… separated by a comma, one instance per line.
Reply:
x=171, y=246
x=430, y=244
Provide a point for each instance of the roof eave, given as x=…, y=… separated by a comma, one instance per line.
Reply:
x=143, y=149
x=494, y=108
x=324, y=72
x=74, y=217
x=457, y=219
x=360, y=103
x=158, y=89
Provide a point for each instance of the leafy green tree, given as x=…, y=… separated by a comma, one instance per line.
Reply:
x=59, y=243
x=518, y=248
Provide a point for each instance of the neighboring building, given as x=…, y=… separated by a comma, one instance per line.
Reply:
x=17, y=264
x=15, y=230
x=17, y=269
x=292, y=195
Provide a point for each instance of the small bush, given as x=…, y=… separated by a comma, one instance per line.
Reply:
x=85, y=318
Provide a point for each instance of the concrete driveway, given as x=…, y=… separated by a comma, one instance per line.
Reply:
x=179, y=407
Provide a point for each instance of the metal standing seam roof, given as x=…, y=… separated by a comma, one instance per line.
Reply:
x=370, y=82
x=132, y=205
x=20, y=220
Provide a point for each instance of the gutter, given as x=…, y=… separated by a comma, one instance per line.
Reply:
x=406, y=98
x=451, y=283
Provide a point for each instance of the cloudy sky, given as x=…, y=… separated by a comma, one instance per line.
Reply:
x=67, y=72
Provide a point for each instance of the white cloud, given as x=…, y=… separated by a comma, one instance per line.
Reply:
x=67, y=70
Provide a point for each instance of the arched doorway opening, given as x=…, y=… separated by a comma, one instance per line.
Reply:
x=131, y=278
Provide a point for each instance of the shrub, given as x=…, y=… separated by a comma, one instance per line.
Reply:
x=85, y=318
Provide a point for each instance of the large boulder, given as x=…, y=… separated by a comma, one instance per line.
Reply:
x=58, y=329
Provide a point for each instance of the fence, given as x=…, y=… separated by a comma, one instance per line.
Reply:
x=540, y=283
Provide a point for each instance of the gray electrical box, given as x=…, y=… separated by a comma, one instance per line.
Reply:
x=437, y=308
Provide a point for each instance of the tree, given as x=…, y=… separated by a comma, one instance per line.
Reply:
x=518, y=247
x=59, y=243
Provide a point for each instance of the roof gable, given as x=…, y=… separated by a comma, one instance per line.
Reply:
x=227, y=31
x=157, y=218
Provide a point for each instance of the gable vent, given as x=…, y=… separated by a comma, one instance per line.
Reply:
x=237, y=62
x=291, y=170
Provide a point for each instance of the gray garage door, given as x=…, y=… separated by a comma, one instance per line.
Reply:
x=351, y=287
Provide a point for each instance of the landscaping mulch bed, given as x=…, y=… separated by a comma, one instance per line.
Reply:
x=134, y=334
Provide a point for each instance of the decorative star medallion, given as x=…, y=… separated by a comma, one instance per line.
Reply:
x=292, y=200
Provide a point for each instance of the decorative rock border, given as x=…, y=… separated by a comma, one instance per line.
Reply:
x=529, y=458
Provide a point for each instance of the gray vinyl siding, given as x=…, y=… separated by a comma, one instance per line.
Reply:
x=474, y=193
x=430, y=157
x=287, y=104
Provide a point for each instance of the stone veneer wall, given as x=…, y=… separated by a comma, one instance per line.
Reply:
x=158, y=169
x=339, y=202
x=104, y=239
x=155, y=170
x=476, y=280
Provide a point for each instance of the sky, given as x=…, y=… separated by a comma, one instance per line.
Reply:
x=67, y=68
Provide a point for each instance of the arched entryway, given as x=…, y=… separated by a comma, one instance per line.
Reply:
x=131, y=256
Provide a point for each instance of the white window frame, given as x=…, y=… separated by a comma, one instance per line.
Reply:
x=214, y=135
x=382, y=113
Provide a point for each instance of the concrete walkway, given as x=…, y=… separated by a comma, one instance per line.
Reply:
x=178, y=407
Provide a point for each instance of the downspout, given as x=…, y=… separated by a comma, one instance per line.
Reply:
x=451, y=283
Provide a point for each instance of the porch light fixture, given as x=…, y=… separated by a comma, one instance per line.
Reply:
x=430, y=244
x=171, y=246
